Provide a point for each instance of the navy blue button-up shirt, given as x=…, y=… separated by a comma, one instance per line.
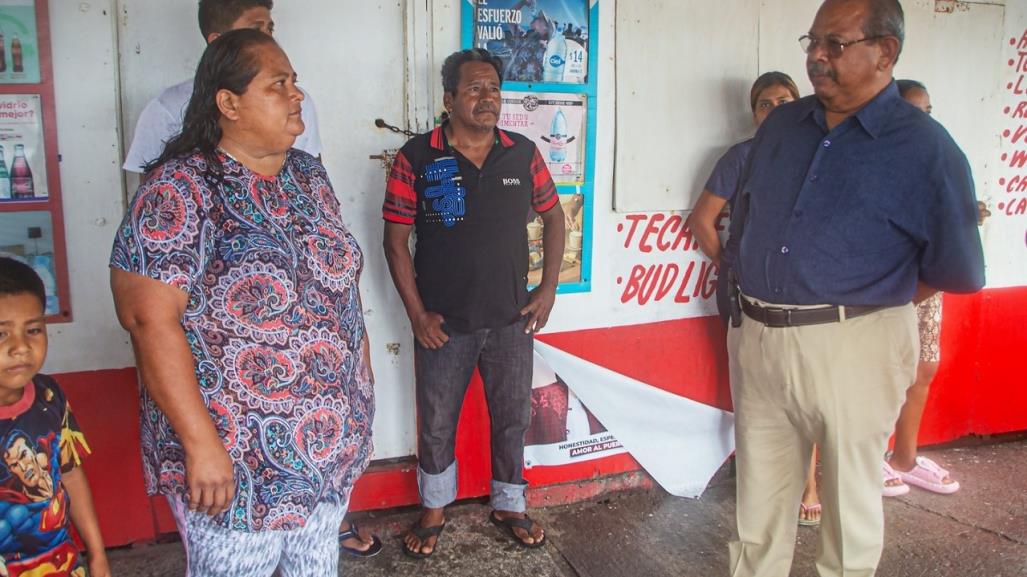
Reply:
x=858, y=214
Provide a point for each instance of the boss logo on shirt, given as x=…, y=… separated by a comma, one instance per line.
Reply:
x=511, y=182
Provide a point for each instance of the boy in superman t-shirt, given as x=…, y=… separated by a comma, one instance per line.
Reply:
x=42, y=487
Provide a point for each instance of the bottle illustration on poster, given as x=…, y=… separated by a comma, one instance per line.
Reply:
x=21, y=175
x=537, y=40
x=557, y=125
x=21, y=135
x=19, y=43
x=558, y=139
x=5, y=177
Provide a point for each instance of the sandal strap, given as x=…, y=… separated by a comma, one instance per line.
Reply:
x=423, y=533
x=890, y=473
x=350, y=533
x=925, y=463
x=526, y=523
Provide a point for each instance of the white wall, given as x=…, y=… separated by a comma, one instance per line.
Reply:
x=1006, y=236
x=85, y=85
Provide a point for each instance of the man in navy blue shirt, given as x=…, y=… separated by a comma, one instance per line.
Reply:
x=854, y=204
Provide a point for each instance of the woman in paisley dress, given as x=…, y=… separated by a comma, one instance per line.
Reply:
x=238, y=283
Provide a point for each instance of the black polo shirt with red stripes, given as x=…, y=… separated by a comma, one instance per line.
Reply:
x=471, y=255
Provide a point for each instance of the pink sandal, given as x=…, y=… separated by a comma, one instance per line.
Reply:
x=891, y=474
x=928, y=475
x=814, y=508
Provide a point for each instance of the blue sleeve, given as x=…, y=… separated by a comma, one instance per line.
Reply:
x=952, y=259
x=723, y=181
x=166, y=234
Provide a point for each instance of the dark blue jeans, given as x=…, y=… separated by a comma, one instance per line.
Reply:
x=504, y=358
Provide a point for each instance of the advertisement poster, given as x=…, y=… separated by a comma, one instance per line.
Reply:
x=562, y=430
x=680, y=442
x=19, y=42
x=22, y=155
x=28, y=237
x=570, y=267
x=537, y=40
x=556, y=124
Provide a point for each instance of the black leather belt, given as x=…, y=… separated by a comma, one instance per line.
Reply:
x=778, y=317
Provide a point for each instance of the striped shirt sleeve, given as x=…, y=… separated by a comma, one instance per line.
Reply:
x=543, y=194
x=400, y=204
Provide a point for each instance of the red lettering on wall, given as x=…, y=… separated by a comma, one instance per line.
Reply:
x=1015, y=207
x=1021, y=110
x=654, y=221
x=680, y=280
x=634, y=219
x=1022, y=44
x=681, y=297
x=670, y=227
x=659, y=232
x=1018, y=159
x=1019, y=133
x=1016, y=184
x=644, y=280
x=1018, y=87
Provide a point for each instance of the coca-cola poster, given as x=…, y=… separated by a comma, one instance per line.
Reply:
x=22, y=154
x=537, y=40
x=19, y=42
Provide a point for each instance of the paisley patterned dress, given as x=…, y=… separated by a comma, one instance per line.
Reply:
x=275, y=328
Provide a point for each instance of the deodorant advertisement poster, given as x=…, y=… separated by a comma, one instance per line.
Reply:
x=537, y=40
x=22, y=154
x=19, y=42
x=556, y=123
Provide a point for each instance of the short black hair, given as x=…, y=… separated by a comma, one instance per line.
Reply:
x=17, y=278
x=905, y=85
x=219, y=15
x=886, y=19
x=451, y=67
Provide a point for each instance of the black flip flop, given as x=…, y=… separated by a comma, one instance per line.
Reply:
x=423, y=533
x=353, y=533
x=508, y=524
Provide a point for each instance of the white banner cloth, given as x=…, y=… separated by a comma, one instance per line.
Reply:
x=680, y=442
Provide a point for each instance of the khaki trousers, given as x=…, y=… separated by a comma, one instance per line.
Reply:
x=839, y=385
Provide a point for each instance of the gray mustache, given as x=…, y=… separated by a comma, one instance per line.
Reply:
x=817, y=69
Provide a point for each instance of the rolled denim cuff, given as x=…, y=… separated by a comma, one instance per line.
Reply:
x=439, y=490
x=508, y=497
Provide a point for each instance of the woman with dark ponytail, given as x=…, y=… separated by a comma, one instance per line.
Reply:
x=228, y=66
x=237, y=281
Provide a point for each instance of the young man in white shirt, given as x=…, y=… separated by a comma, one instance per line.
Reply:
x=161, y=119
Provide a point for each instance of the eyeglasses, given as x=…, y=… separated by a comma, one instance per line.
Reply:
x=834, y=48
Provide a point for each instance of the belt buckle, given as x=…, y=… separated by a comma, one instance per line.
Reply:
x=788, y=318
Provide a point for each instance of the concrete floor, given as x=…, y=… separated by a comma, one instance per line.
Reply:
x=981, y=531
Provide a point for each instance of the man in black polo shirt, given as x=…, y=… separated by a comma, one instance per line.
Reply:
x=468, y=188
